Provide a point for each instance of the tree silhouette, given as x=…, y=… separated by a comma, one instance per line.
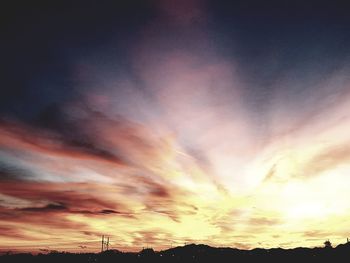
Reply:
x=327, y=244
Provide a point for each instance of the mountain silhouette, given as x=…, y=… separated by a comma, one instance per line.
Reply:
x=193, y=253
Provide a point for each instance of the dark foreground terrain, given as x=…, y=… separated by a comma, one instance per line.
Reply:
x=194, y=253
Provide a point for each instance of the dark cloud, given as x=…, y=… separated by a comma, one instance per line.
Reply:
x=61, y=196
x=55, y=219
x=47, y=208
x=62, y=199
x=75, y=132
x=61, y=137
x=154, y=189
x=11, y=172
x=108, y=211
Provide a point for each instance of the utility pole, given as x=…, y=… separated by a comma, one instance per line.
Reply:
x=104, y=243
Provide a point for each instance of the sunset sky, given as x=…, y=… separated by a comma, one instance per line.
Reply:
x=159, y=123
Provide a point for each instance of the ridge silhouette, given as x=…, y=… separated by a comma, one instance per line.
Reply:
x=193, y=253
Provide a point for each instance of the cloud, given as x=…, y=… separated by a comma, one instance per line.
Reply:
x=318, y=234
x=327, y=159
x=11, y=232
x=47, y=208
x=60, y=196
x=108, y=211
x=24, y=137
x=264, y=221
x=270, y=174
x=22, y=219
x=10, y=172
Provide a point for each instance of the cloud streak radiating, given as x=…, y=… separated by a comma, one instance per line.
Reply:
x=172, y=132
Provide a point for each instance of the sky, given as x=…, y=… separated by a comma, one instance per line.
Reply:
x=159, y=123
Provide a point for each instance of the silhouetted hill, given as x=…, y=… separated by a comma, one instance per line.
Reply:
x=343, y=246
x=194, y=253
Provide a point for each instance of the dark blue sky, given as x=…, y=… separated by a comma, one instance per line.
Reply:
x=42, y=41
